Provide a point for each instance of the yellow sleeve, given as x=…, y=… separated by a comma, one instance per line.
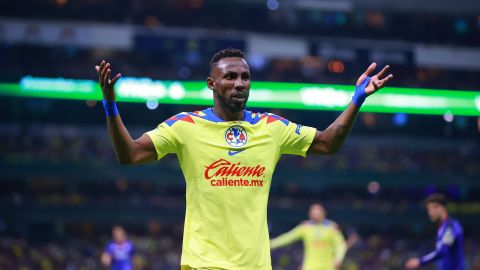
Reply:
x=295, y=139
x=287, y=238
x=340, y=246
x=164, y=140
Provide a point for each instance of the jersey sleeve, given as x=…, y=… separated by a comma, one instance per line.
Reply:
x=164, y=139
x=340, y=246
x=287, y=238
x=443, y=245
x=133, y=249
x=108, y=249
x=295, y=139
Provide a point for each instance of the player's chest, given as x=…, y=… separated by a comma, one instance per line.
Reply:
x=317, y=235
x=121, y=251
x=235, y=140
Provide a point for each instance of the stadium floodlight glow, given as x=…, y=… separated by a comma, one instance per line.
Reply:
x=263, y=94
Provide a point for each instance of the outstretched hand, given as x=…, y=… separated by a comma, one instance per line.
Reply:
x=412, y=263
x=106, y=83
x=376, y=82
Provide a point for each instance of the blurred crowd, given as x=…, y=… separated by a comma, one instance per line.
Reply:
x=286, y=17
x=179, y=63
x=379, y=252
x=387, y=154
x=161, y=253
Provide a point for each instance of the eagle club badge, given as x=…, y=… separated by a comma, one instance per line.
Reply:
x=236, y=136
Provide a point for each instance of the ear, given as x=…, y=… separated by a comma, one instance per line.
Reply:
x=211, y=83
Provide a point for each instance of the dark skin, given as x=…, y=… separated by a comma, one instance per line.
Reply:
x=231, y=76
x=127, y=150
x=230, y=82
x=331, y=139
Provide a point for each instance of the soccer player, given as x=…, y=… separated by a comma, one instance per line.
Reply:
x=449, y=247
x=323, y=243
x=227, y=155
x=119, y=252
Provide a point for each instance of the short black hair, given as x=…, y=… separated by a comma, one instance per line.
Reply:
x=317, y=203
x=437, y=198
x=230, y=52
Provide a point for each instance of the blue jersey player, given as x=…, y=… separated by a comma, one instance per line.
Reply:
x=119, y=252
x=449, y=248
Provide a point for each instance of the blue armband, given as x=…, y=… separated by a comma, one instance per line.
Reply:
x=360, y=95
x=110, y=108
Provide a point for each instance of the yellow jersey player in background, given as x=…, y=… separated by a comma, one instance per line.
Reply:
x=323, y=244
x=228, y=155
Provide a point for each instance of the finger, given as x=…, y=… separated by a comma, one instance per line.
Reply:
x=386, y=79
x=99, y=71
x=101, y=66
x=105, y=68
x=384, y=69
x=104, y=72
x=107, y=77
x=367, y=72
x=378, y=84
x=115, y=79
x=370, y=69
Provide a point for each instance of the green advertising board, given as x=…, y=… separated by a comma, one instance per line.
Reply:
x=263, y=94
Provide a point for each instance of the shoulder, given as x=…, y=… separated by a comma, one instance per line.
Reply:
x=182, y=120
x=306, y=223
x=109, y=245
x=264, y=117
x=455, y=225
x=330, y=223
x=183, y=117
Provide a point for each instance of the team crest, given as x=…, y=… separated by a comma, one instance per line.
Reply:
x=236, y=136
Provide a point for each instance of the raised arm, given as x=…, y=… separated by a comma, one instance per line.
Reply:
x=127, y=150
x=287, y=238
x=331, y=139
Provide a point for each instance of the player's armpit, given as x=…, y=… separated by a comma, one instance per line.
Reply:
x=321, y=144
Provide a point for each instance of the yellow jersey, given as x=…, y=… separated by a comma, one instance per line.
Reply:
x=228, y=167
x=323, y=244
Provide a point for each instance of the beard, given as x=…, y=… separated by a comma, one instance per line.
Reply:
x=230, y=104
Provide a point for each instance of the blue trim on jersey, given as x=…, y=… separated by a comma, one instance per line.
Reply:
x=172, y=120
x=209, y=115
x=327, y=222
x=274, y=116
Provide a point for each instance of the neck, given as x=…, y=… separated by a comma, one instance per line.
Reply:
x=226, y=114
x=443, y=218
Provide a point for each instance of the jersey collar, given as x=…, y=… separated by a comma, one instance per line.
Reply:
x=247, y=115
